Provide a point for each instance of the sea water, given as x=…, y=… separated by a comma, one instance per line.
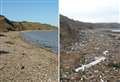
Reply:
x=45, y=39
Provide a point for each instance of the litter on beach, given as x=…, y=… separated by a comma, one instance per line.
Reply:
x=83, y=67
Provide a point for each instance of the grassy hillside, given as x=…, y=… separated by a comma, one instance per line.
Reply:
x=7, y=25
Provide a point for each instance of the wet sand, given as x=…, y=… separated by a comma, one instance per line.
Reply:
x=23, y=62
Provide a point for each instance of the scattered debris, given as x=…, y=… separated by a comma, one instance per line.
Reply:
x=106, y=52
x=101, y=80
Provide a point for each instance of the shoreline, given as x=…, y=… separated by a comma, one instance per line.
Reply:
x=18, y=59
x=35, y=43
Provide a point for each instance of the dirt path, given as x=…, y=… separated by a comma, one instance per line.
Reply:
x=22, y=62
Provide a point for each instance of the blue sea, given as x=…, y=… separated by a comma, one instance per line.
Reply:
x=44, y=39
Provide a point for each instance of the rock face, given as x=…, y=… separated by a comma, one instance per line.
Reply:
x=7, y=25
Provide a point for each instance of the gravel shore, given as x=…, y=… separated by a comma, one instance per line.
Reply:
x=91, y=46
x=23, y=62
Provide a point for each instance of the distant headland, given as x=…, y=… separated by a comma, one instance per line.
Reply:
x=8, y=25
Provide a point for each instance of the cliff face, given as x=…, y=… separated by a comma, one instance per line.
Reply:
x=7, y=25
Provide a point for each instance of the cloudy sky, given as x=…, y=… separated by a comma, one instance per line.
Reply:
x=91, y=10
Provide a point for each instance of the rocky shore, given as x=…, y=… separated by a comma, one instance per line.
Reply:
x=89, y=52
x=23, y=62
x=91, y=47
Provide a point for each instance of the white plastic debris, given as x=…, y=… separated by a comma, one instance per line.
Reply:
x=97, y=48
x=101, y=80
x=83, y=67
x=96, y=58
x=106, y=52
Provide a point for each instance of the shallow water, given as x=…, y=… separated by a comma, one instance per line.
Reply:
x=115, y=30
x=46, y=39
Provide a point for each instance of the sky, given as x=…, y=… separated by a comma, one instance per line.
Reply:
x=91, y=10
x=44, y=11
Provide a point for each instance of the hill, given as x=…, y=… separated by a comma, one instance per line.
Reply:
x=65, y=21
x=8, y=25
x=70, y=28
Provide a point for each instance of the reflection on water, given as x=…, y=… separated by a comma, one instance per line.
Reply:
x=47, y=39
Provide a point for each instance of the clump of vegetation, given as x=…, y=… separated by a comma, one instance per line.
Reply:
x=50, y=26
x=116, y=65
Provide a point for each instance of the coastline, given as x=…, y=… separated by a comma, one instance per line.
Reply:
x=21, y=61
x=36, y=42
